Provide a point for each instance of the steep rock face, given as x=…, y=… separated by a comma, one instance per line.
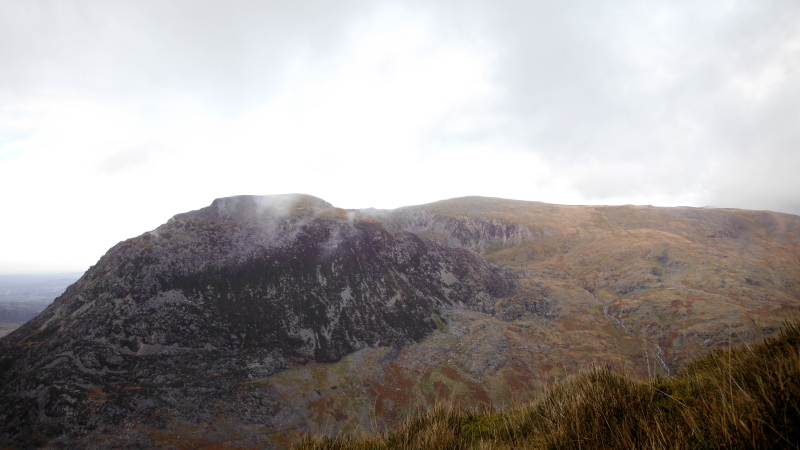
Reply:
x=268, y=278
x=457, y=228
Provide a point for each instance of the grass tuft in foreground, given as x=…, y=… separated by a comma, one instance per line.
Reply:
x=745, y=398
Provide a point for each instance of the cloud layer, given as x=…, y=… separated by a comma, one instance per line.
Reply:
x=116, y=115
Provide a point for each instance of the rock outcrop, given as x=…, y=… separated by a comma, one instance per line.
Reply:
x=236, y=290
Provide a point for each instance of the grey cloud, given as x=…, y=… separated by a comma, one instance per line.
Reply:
x=638, y=84
x=130, y=158
x=760, y=182
x=226, y=53
x=681, y=98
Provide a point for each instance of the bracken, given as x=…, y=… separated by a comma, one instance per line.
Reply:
x=748, y=397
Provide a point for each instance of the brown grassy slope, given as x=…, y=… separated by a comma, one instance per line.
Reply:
x=476, y=359
x=746, y=398
x=687, y=279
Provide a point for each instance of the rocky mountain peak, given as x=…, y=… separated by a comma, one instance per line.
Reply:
x=252, y=208
x=240, y=288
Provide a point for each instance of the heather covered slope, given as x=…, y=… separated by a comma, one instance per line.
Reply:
x=743, y=398
x=686, y=279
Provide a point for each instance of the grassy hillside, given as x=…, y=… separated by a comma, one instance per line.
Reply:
x=685, y=279
x=745, y=398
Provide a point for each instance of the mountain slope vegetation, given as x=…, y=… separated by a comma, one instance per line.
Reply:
x=748, y=397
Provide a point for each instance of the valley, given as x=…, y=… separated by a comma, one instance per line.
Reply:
x=22, y=297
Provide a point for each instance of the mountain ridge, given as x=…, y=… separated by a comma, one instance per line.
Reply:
x=268, y=300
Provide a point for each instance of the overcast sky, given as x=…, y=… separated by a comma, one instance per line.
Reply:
x=117, y=115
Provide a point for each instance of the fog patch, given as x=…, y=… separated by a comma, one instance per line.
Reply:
x=332, y=243
x=129, y=158
x=267, y=206
x=740, y=184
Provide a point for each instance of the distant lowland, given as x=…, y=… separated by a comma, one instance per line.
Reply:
x=260, y=320
x=22, y=297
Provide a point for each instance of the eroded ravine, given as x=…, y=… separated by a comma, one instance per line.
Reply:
x=659, y=350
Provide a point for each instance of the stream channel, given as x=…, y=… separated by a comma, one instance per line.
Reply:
x=659, y=351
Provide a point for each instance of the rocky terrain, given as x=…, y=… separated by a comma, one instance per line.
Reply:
x=167, y=326
x=256, y=319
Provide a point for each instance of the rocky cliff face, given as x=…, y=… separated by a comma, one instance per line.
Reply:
x=238, y=289
x=460, y=228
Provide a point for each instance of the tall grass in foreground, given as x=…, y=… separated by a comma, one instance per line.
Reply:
x=745, y=398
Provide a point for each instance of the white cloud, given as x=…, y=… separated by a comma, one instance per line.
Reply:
x=115, y=116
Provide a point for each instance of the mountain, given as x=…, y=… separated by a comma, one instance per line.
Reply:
x=169, y=322
x=259, y=318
